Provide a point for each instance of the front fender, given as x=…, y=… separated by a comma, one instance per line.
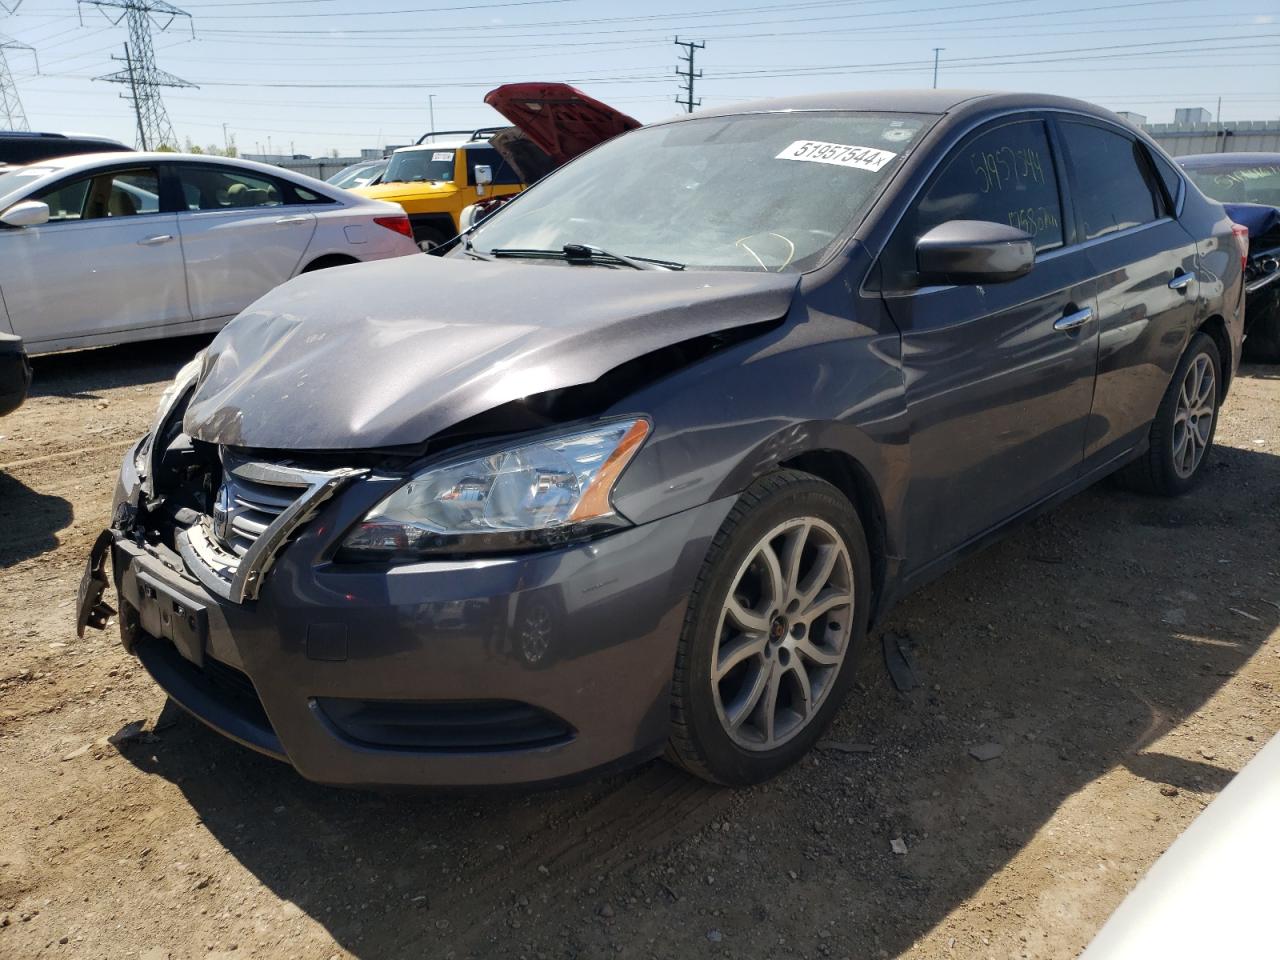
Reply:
x=817, y=383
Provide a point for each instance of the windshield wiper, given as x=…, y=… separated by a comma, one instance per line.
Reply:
x=583, y=253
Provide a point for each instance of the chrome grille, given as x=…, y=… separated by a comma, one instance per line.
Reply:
x=258, y=508
x=251, y=507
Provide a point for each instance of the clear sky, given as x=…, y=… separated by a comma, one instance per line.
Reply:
x=313, y=75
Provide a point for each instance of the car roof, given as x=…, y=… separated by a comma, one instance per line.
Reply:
x=906, y=101
x=88, y=162
x=41, y=135
x=438, y=145
x=1193, y=160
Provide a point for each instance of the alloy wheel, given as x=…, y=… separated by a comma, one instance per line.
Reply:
x=783, y=633
x=1193, y=416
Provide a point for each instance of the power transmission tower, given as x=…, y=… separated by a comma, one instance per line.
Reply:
x=143, y=78
x=12, y=116
x=689, y=75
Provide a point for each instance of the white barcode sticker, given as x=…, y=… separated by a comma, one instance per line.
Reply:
x=837, y=154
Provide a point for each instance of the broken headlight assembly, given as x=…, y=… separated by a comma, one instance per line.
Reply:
x=541, y=493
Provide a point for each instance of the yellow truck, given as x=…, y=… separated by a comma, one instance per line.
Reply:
x=445, y=172
x=439, y=176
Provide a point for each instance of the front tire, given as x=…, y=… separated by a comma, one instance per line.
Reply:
x=1183, y=429
x=775, y=617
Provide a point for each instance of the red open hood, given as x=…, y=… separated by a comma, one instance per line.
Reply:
x=560, y=119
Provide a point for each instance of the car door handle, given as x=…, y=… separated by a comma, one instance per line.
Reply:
x=1073, y=320
x=1181, y=281
x=293, y=220
x=158, y=238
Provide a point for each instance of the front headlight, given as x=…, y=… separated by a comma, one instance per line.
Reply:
x=546, y=492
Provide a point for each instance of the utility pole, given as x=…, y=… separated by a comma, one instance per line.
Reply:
x=431, y=106
x=12, y=115
x=226, y=142
x=936, y=51
x=689, y=75
x=140, y=74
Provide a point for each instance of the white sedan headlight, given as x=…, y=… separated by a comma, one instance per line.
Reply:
x=549, y=491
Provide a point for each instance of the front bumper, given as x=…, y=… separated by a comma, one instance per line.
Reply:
x=510, y=670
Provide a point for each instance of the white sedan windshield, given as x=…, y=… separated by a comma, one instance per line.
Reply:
x=748, y=192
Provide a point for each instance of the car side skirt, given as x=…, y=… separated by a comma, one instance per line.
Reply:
x=914, y=579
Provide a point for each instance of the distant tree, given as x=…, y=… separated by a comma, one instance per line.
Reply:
x=165, y=148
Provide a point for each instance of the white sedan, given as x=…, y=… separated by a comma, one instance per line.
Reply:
x=112, y=247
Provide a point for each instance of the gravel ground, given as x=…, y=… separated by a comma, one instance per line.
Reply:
x=1121, y=654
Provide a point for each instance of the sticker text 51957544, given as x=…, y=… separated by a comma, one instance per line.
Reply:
x=837, y=154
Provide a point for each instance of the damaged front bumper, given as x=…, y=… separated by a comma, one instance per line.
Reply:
x=503, y=670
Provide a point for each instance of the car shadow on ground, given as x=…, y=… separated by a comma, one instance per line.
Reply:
x=1260, y=371
x=1074, y=644
x=80, y=374
x=30, y=521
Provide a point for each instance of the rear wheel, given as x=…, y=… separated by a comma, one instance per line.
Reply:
x=1182, y=431
x=766, y=654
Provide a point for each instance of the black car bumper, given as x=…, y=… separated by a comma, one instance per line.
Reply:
x=15, y=373
x=510, y=670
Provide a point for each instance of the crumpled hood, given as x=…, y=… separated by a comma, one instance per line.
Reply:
x=392, y=352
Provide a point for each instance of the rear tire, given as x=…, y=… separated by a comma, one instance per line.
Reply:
x=1183, y=429
x=774, y=621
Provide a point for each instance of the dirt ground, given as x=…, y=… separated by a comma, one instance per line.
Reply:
x=1123, y=652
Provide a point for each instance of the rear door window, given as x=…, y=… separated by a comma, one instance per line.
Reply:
x=1112, y=186
x=1004, y=175
x=212, y=188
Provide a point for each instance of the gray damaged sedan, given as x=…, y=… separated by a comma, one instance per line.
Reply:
x=633, y=468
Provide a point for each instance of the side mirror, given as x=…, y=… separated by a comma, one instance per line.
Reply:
x=483, y=177
x=974, y=251
x=28, y=213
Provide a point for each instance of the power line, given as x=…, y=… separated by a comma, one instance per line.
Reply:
x=140, y=74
